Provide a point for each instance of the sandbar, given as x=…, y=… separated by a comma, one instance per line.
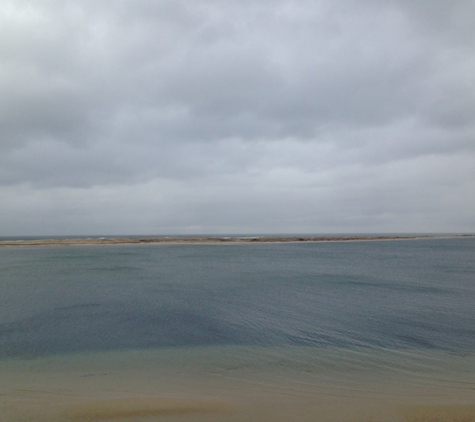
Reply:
x=195, y=240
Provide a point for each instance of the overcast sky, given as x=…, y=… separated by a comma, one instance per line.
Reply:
x=236, y=116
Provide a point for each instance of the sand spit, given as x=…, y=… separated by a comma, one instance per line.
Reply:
x=212, y=240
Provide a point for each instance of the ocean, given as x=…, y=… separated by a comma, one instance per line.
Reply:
x=334, y=331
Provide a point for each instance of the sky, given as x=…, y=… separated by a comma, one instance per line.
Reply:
x=237, y=116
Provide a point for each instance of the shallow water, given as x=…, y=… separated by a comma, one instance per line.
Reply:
x=342, y=331
x=238, y=383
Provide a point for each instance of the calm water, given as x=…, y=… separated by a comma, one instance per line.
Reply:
x=350, y=320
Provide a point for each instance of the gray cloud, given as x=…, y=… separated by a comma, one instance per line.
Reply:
x=237, y=116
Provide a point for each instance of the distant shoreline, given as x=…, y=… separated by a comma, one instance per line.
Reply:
x=200, y=240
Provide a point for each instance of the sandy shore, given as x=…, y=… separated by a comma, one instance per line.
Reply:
x=212, y=240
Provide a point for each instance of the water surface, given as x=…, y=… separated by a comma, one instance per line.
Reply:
x=239, y=332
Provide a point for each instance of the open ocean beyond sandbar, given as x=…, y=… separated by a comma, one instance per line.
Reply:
x=346, y=331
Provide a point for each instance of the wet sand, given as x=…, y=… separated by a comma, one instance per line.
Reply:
x=211, y=240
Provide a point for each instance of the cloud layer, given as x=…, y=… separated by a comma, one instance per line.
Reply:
x=218, y=117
